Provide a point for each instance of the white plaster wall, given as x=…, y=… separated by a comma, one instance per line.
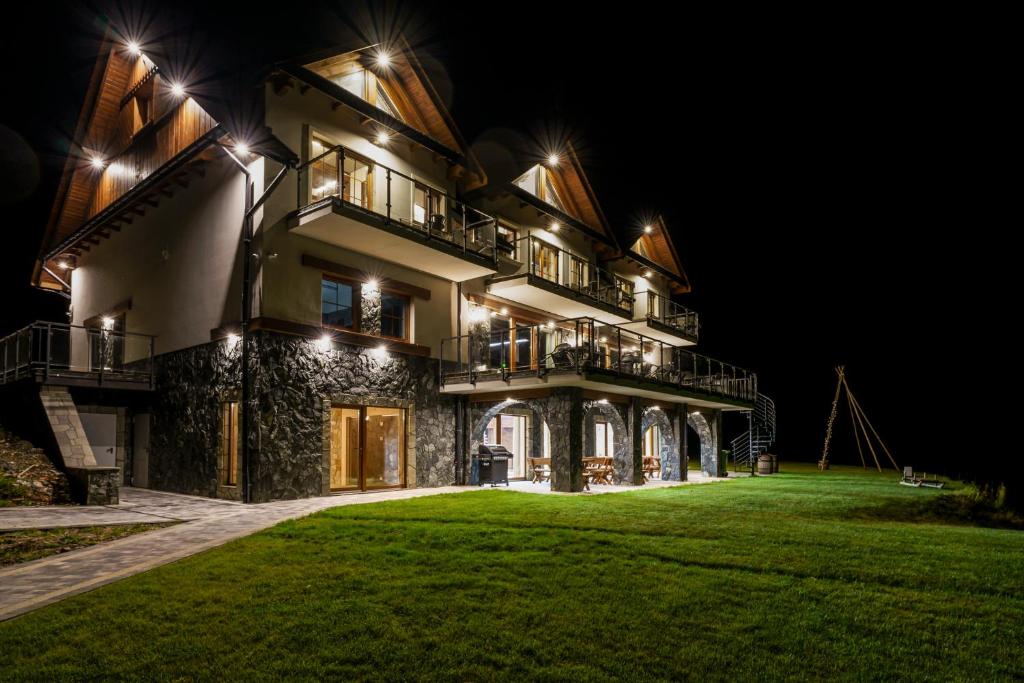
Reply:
x=179, y=264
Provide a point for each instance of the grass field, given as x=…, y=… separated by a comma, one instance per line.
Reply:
x=843, y=575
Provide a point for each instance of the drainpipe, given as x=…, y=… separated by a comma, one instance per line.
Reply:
x=247, y=229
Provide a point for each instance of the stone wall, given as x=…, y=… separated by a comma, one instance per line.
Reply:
x=294, y=382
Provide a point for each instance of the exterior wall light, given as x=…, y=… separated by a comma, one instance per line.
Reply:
x=554, y=226
x=242, y=148
x=177, y=89
x=97, y=162
x=380, y=353
x=382, y=138
x=504, y=311
x=233, y=339
x=108, y=322
x=324, y=343
x=553, y=160
x=134, y=49
x=63, y=265
x=648, y=273
x=383, y=59
x=648, y=229
x=603, y=339
x=372, y=284
x=603, y=401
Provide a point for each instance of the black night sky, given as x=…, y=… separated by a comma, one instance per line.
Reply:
x=802, y=163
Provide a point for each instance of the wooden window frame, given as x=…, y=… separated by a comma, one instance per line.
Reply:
x=229, y=443
x=364, y=416
x=357, y=297
x=406, y=323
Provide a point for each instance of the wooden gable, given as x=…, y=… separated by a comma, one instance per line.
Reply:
x=657, y=247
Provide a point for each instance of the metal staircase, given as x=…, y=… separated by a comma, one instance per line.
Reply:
x=758, y=438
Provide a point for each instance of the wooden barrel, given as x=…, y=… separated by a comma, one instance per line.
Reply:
x=764, y=464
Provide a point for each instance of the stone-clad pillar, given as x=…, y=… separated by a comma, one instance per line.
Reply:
x=679, y=426
x=564, y=414
x=636, y=441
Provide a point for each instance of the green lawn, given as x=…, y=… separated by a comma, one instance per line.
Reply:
x=806, y=575
x=33, y=544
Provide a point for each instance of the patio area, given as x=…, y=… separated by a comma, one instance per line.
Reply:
x=543, y=487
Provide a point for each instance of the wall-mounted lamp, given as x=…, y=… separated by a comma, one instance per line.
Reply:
x=324, y=343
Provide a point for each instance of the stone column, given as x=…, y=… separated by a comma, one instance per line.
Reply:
x=636, y=440
x=369, y=310
x=564, y=414
x=679, y=425
x=720, y=466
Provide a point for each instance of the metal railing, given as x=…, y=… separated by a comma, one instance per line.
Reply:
x=563, y=267
x=668, y=312
x=48, y=350
x=758, y=438
x=341, y=175
x=587, y=345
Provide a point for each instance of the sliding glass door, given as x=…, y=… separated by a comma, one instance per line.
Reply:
x=367, y=448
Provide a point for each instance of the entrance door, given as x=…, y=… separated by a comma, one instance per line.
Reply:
x=367, y=448
x=140, y=451
x=101, y=430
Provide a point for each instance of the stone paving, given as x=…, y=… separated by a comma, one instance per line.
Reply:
x=207, y=523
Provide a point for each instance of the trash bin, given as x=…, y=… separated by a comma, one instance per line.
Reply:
x=764, y=464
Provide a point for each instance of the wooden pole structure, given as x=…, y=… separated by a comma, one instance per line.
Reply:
x=856, y=433
x=849, y=397
x=873, y=430
x=823, y=463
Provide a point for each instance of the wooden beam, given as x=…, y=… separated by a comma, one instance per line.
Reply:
x=154, y=202
x=332, y=268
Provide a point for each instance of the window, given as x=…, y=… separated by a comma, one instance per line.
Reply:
x=537, y=181
x=580, y=275
x=603, y=439
x=354, y=82
x=385, y=103
x=550, y=196
x=336, y=306
x=427, y=203
x=392, y=315
x=358, y=181
x=625, y=290
x=545, y=260
x=652, y=442
x=229, y=443
x=323, y=174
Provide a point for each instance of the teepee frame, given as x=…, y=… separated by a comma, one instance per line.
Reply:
x=860, y=423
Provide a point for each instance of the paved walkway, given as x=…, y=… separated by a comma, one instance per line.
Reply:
x=208, y=523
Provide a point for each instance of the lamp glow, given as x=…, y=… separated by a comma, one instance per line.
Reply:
x=324, y=343
x=648, y=273
x=648, y=229
x=63, y=265
x=383, y=59
x=372, y=284
x=133, y=47
x=97, y=162
x=504, y=311
x=242, y=148
x=177, y=89
x=382, y=138
x=553, y=160
x=554, y=226
x=381, y=352
x=108, y=322
x=233, y=339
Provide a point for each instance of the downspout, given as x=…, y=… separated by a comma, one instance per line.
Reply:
x=247, y=230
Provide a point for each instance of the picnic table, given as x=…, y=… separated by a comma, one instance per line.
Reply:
x=652, y=467
x=540, y=469
x=599, y=470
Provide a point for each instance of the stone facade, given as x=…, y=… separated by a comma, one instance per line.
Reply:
x=95, y=485
x=72, y=442
x=295, y=382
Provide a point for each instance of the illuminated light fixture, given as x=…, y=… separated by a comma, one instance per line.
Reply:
x=372, y=284
x=656, y=407
x=324, y=343
x=648, y=229
x=383, y=59
x=554, y=226
x=603, y=401
x=63, y=265
x=482, y=367
x=603, y=339
x=177, y=89
x=108, y=322
x=553, y=160
x=696, y=412
x=551, y=323
x=648, y=273
x=478, y=315
x=383, y=138
x=241, y=148
x=504, y=311
x=494, y=313
x=380, y=353
x=97, y=162
x=134, y=48
x=233, y=339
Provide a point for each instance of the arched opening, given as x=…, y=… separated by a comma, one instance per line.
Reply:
x=660, y=444
x=708, y=450
x=605, y=435
x=520, y=427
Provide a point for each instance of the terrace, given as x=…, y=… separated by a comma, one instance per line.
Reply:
x=591, y=354
x=73, y=355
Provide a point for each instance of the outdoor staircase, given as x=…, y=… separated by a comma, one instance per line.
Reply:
x=756, y=440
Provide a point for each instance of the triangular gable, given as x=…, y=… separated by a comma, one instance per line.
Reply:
x=656, y=246
x=565, y=187
x=404, y=91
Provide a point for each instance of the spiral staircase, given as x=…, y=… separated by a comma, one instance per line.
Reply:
x=758, y=438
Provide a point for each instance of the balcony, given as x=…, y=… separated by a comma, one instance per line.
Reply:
x=360, y=205
x=663, y=319
x=565, y=284
x=587, y=353
x=72, y=355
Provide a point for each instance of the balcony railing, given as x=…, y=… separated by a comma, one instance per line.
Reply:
x=562, y=267
x=46, y=350
x=586, y=345
x=668, y=312
x=399, y=199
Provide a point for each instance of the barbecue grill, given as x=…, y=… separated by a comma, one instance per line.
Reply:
x=492, y=464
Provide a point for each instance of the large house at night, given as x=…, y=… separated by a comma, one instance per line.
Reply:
x=406, y=302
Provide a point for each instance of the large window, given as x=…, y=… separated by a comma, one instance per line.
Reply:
x=393, y=309
x=323, y=173
x=229, y=443
x=652, y=442
x=603, y=439
x=625, y=292
x=336, y=305
x=358, y=180
x=545, y=260
x=428, y=205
